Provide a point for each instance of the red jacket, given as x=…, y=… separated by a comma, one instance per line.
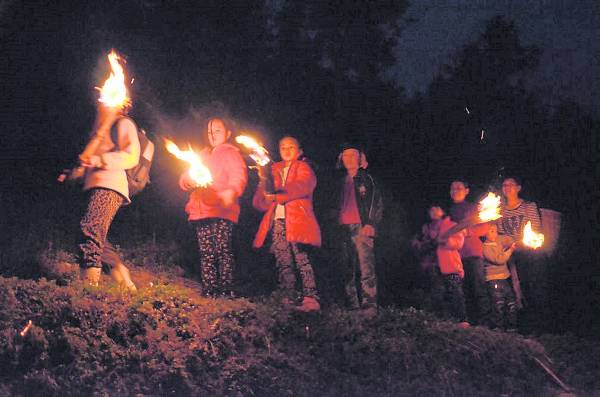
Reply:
x=473, y=246
x=228, y=171
x=300, y=222
x=447, y=254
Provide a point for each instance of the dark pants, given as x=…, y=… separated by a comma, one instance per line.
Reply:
x=533, y=277
x=455, y=298
x=504, y=306
x=358, y=257
x=292, y=258
x=477, y=298
x=214, y=237
x=102, y=207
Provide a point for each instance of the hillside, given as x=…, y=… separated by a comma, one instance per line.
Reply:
x=166, y=339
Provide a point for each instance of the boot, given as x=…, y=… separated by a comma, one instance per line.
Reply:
x=309, y=304
x=91, y=275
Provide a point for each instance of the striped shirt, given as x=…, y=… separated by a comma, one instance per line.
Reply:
x=513, y=221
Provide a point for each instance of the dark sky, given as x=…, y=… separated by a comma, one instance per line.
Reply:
x=568, y=32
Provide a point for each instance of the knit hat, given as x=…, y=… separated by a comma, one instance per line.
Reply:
x=350, y=145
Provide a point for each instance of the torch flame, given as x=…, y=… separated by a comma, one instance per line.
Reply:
x=197, y=171
x=257, y=153
x=489, y=208
x=114, y=92
x=531, y=238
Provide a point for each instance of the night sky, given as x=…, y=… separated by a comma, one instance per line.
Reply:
x=434, y=31
x=365, y=71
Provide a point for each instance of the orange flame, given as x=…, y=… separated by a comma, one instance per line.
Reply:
x=197, y=171
x=114, y=92
x=26, y=329
x=531, y=238
x=257, y=153
x=489, y=208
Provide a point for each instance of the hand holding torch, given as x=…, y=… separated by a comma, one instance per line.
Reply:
x=260, y=155
x=113, y=98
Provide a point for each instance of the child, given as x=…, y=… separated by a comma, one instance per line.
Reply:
x=291, y=222
x=425, y=247
x=215, y=210
x=451, y=267
x=360, y=212
x=504, y=307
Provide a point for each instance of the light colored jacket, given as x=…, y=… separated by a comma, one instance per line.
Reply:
x=116, y=157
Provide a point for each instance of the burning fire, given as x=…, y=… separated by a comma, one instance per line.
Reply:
x=257, y=153
x=197, y=171
x=489, y=208
x=113, y=93
x=531, y=238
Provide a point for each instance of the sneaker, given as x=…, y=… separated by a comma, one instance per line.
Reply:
x=91, y=275
x=464, y=325
x=309, y=304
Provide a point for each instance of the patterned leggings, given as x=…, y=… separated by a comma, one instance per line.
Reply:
x=102, y=207
x=214, y=237
x=291, y=258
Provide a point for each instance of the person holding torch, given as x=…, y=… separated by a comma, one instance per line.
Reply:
x=214, y=209
x=290, y=220
x=530, y=281
x=112, y=149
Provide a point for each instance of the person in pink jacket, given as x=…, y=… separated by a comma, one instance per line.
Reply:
x=215, y=209
x=290, y=220
x=451, y=268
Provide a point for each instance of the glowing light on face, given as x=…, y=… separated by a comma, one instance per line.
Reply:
x=257, y=152
x=489, y=208
x=530, y=238
x=199, y=173
x=113, y=93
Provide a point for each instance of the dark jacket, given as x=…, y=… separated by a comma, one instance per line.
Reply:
x=368, y=197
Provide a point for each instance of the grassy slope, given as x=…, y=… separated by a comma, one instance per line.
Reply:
x=167, y=340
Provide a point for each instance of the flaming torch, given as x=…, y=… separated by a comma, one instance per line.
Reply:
x=113, y=93
x=530, y=238
x=113, y=98
x=489, y=208
x=257, y=153
x=260, y=155
x=199, y=173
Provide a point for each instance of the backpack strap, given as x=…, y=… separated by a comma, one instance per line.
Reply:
x=114, y=136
